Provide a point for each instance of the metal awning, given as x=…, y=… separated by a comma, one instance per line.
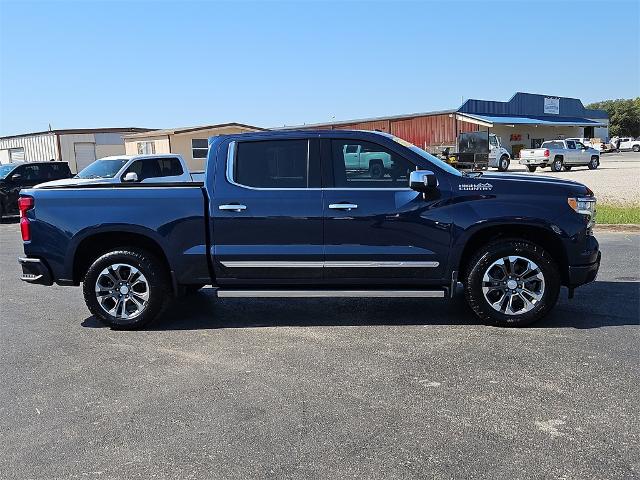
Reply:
x=491, y=120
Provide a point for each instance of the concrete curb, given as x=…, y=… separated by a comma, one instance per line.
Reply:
x=617, y=227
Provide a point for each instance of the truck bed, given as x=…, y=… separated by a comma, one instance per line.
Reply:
x=173, y=215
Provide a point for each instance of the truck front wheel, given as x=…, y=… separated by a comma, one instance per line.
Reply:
x=503, y=164
x=126, y=288
x=593, y=163
x=512, y=283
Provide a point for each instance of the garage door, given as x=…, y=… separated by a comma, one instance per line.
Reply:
x=85, y=154
x=16, y=154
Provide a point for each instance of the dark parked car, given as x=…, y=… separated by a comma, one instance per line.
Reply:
x=15, y=176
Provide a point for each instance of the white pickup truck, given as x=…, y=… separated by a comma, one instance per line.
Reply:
x=169, y=168
x=560, y=155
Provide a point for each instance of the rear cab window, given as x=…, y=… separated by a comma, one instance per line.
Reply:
x=275, y=164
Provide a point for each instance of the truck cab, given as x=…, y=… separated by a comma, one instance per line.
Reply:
x=498, y=155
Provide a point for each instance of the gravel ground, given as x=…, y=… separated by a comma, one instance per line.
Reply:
x=617, y=180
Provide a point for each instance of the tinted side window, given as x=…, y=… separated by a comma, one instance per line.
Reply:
x=272, y=164
x=571, y=145
x=59, y=170
x=30, y=173
x=155, y=168
x=373, y=167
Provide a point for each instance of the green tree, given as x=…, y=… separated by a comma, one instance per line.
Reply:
x=624, y=116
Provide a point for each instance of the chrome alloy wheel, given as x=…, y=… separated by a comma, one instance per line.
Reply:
x=122, y=291
x=513, y=285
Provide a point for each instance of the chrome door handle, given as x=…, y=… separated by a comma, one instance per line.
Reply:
x=343, y=206
x=232, y=207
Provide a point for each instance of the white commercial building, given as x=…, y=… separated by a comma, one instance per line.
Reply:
x=78, y=147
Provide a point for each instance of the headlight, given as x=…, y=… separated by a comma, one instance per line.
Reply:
x=585, y=207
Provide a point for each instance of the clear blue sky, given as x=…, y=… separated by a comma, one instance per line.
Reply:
x=166, y=64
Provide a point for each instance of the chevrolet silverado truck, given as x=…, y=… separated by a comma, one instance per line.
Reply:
x=560, y=155
x=279, y=214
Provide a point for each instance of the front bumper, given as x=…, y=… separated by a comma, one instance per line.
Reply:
x=35, y=270
x=581, y=274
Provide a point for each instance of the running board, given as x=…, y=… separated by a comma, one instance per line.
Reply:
x=330, y=293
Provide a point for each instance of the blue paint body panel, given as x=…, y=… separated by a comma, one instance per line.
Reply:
x=298, y=239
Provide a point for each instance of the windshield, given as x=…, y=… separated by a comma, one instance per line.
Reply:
x=103, y=168
x=427, y=156
x=5, y=170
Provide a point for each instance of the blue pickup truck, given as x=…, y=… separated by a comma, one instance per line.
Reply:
x=279, y=214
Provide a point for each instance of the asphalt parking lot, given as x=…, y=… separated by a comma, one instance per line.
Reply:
x=311, y=389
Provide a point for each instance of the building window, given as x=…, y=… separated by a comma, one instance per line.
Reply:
x=199, y=148
x=146, y=148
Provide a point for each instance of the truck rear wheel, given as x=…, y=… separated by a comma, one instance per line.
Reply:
x=531, y=168
x=636, y=148
x=127, y=288
x=503, y=164
x=512, y=283
x=556, y=166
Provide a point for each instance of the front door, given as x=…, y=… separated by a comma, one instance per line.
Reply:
x=376, y=229
x=573, y=155
x=267, y=213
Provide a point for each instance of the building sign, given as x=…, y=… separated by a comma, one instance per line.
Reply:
x=552, y=105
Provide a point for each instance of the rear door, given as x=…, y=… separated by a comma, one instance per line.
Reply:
x=377, y=230
x=266, y=213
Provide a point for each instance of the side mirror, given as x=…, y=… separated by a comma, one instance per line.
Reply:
x=16, y=176
x=423, y=181
x=130, y=177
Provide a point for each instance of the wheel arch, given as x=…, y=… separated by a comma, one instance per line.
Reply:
x=92, y=246
x=537, y=234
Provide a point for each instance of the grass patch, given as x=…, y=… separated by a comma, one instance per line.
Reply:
x=608, y=214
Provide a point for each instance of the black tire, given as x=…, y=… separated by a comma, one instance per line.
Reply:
x=376, y=169
x=531, y=168
x=557, y=164
x=481, y=262
x=594, y=163
x=636, y=148
x=157, y=285
x=566, y=168
x=503, y=164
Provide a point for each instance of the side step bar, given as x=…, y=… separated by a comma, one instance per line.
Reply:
x=330, y=293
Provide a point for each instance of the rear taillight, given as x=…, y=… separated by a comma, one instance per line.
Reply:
x=25, y=203
x=546, y=153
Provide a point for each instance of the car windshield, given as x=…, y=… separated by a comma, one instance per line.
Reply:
x=103, y=168
x=427, y=156
x=5, y=170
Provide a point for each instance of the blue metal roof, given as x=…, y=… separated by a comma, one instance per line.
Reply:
x=537, y=120
x=530, y=104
